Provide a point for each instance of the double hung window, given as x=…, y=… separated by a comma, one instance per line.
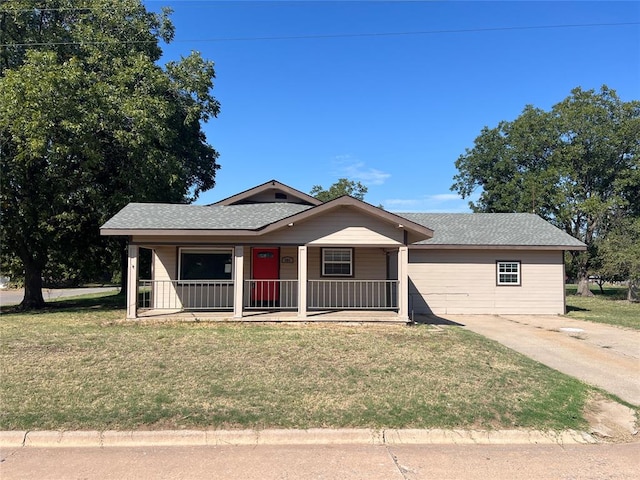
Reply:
x=508, y=272
x=337, y=262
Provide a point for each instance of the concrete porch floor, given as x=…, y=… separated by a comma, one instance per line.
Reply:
x=331, y=316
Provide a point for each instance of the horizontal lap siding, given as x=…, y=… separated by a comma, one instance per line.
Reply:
x=369, y=264
x=344, y=226
x=165, y=267
x=464, y=281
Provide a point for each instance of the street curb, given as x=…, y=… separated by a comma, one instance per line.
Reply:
x=314, y=436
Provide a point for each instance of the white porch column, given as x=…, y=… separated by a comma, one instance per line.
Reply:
x=302, y=281
x=238, y=284
x=403, y=283
x=132, y=282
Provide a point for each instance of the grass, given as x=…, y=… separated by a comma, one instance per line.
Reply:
x=610, y=307
x=79, y=366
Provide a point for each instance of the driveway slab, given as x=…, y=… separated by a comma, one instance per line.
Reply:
x=602, y=355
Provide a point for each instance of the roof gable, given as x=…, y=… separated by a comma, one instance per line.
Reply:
x=415, y=230
x=270, y=192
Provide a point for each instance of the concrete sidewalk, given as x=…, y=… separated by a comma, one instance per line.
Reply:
x=326, y=462
x=602, y=355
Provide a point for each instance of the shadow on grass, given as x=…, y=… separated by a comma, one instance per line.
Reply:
x=116, y=301
x=609, y=292
x=422, y=319
x=572, y=308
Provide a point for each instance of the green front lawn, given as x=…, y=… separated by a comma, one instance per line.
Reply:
x=610, y=307
x=80, y=366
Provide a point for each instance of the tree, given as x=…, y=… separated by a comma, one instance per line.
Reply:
x=88, y=123
x=619, y=255
x=575, y=165
x=342, y=187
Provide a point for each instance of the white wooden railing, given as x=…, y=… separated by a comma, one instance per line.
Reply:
x=185, y=294
x=271, y=294
x=353, y=294
x=268, y=294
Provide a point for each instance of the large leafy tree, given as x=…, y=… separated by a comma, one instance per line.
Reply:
x=619, y=255
x=343, y=186
x=576, y=165
x=89, y=122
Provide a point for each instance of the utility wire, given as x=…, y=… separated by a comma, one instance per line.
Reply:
x=337, y=35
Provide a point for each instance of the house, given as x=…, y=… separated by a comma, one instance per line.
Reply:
x=273, y=248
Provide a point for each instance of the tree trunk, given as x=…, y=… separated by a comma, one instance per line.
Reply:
x=33, y=298
x=634, y=291
x=583, y=287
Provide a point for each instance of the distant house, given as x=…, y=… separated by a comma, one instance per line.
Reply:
x=273, y=248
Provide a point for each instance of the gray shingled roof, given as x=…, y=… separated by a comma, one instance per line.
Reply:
x=515, y=229
x=512, y=229
x=161, y=216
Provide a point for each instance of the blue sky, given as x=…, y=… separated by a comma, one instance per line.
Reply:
x=315, y=91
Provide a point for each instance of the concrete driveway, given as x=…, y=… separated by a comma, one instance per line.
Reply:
x=605, y=356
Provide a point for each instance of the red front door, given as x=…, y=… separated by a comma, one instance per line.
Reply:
x=266, y=266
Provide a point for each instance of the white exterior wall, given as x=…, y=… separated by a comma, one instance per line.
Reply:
x=464, y=282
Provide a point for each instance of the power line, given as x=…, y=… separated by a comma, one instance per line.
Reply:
x=337, y=35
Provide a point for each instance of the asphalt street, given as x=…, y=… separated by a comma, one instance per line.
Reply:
x=14, y=296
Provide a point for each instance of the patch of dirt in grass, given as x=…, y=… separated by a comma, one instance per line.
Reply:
x=611, y=421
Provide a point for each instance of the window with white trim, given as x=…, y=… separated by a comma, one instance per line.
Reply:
x=508, y=272
x=205, y=264
x=337, y=262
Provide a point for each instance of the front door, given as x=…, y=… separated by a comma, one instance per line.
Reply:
x=266, y=266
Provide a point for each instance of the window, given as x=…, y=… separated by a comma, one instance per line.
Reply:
x=205, y=264
x=508, y=273
x=337, y=262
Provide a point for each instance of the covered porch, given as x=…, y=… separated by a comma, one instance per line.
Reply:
x=306, y=283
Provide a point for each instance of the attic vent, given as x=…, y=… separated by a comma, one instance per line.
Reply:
x=281, y=196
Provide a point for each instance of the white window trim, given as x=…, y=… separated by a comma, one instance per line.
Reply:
x=182, y=250
x=518, y=274
x=324, y=262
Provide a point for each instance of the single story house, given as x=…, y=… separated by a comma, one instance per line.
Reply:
x=274, y=248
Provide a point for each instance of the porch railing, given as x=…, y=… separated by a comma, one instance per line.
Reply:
x=271, y=294
x=353, y=294
x=185, y=295
x=268, y=294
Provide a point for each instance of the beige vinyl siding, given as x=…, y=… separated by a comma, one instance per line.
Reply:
x=464, y=282
x=368, y=264
x=165, y=263
x=289, y=271
x=342, y=227
x=164, y=268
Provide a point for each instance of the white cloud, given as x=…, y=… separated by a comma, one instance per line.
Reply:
x=437, y=203
x=354, y=169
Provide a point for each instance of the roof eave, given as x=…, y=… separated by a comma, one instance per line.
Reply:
x=177, y=232
x=451, y=246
